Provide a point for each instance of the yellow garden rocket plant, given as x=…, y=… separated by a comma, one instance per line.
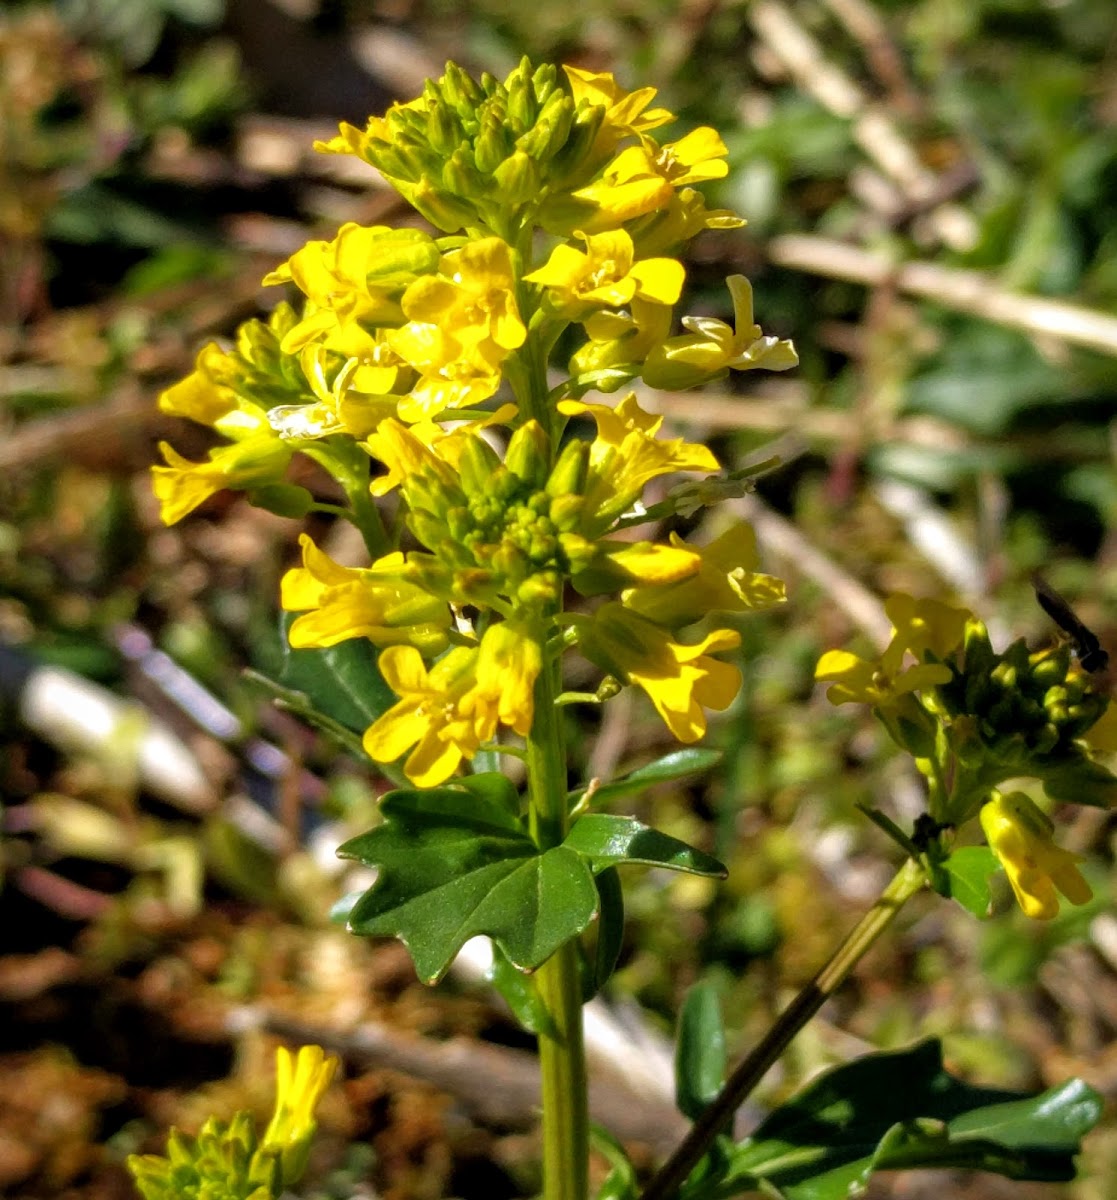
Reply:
x=414, y=364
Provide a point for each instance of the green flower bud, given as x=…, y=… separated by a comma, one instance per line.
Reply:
x=574, y=155
x=541, y=590
x=492, y=145
x=442, y=209
x=566, y=512
x=461, y=177
x=460, y=90
x=444, y=132
x=528, y=454
x=518, y=179
x=478, y=463
x=569, y=474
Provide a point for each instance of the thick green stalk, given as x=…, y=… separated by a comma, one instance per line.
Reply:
x=905, y=883
x=561, y=1055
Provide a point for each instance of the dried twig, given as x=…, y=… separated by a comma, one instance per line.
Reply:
x=965, y=291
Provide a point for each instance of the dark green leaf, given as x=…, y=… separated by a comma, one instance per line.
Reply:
x=494, y=788
x=968, y=870
x=453, y=865
x=610, y=932
x=699, y=1051
x=609, y=841
x=677, y=765
x=902, y=1110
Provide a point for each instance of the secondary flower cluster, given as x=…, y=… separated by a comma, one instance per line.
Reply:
x=228, y=1160
x=556, y=213
x=973, y=719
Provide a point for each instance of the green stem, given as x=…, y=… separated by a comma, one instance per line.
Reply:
x=909, y=880
x=561, y=1054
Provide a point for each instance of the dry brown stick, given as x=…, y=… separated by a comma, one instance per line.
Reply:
x=966, y=291
x=497, y=1085
x=872, y=128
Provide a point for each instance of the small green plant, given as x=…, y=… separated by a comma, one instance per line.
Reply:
x=415, y=370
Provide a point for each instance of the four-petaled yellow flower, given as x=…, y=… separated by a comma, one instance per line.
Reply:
x=1019, y=834
x=605, y=275
x=379, y=603
x=626, y=455
x=919, y=626
x=680, y=680
x=643, y=179
x=462, y=324
x=624, y=111
x=861, y=681
x=724, y=580
x=712, y=347
x=450, y=711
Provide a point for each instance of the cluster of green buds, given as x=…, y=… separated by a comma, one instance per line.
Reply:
x=974, y=720
x=228, y=1160
x=416, y=364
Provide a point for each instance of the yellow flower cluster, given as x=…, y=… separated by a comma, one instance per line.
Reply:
x=973, y=719
x=555, y=211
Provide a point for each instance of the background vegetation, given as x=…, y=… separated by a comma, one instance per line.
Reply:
x=931, y=190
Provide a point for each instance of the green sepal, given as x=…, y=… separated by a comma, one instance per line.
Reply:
x=699, y=1051
x=1080, y=781
x=676, y=765
x=283, y=499
x=453, y=864
x=966, y=874
x=901, y=1110
x=610, y=841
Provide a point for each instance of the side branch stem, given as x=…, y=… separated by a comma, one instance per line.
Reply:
x=561, y=1053
x=906, y=883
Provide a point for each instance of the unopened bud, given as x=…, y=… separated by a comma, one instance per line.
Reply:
x=528, y=454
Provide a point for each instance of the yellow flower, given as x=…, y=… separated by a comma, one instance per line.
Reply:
x=642, y=179
x=624, y=111
x=863, y=682
x=203, y=396
x=509, y=660
x=339, y=407
x=462, y=324
x=408, y=455
x=379, y=603
x=712, y=347
x=630, y=186
x=301, y=1082
x=1019, y=834
x=472, y=300
x=605, y=275
x=621, y=339
x=723, y=581
x=182, y=485
x=427, y=715
x=922, y=626
x=358, y=276
x=684, y=217
x=626, y=455
x=680, y=680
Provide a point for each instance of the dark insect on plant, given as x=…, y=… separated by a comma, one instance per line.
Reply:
x=1086, y=644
